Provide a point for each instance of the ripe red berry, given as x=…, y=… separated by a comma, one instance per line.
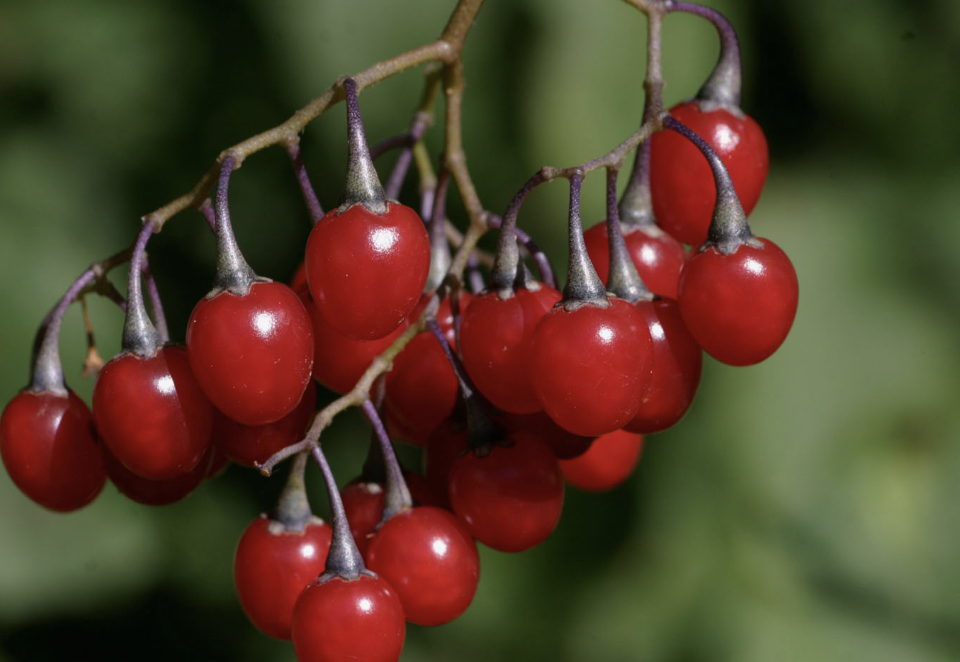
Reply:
x=609, y=461
x=591, y=365
x=739, y=307
x=363, y=503
x=252, y=354
x=49, y=447
x=421, y=388
x=273, y=565
x=339, y=361
x=681, y=181
x=430, y=559
x=495, y=340
x=677, y=362
x=155, y=492
x=365, y=270
x=510, y=499
x=656, y=254
x=151, y=413
x=564, y=445
x=336, y=620
x=250, y=445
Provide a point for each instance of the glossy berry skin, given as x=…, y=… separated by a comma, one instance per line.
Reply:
x=681, y=182
x=495, y=339
x=511, y=499
x=363, y=503
x=430, y=559
x=739, y=307
x=609, y=462
x=677, y=363
x=591, y=365
x=366, y=271
x=155, y=492
x=271, y=568
x=421, y=388
x=252, y=354
x=339, y=621
x=565, y=445
x=657, y=256
x=339, y=361
x=249, y=445
x=151, y=413
x=49, y=447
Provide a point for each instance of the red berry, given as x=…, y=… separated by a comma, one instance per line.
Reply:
x=155, y=492
x=495, y=340
x=366, y=271
x=151, y=413
x=591, y=365
x=339, y=620
x=430, y=559
x=339, y=361
x=271, y=568
x=564, y=445
x=363, y=503
x=677, y=362
x=49, y=447
x=610, y=461
x=446, y=444
x=421, y=388
x=250, y=445
x=739, y=307
x=656, y=254
x=681, y=182
x=252, y=354
x=510, y=499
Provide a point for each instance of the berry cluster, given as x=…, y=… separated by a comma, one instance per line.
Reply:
x=510, y=386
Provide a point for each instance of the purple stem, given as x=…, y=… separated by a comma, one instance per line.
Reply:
x=207, y=210
x=344, y=559
x=363, y=185
x=507, y=259
x=583, y=283
x=439, y=248
x=729, y=228
x=397, y=496
x=159, y=319
x=47, y=370
x=233, y=273
x=140, y=337
x=474, y=277
x=722, y=88
x=623, y=280
x=545, y=269
x=303, y=179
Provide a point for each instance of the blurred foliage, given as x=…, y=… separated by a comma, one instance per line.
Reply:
x=804, y=509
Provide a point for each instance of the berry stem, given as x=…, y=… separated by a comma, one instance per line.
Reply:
x=156, y=305
x=233, y=273
x=722, y=88
x=547, y=274
x=397, y=497
x=507, y=259
x=46, y=369
x=140, y=337
x=729, y=228
x=624, y=279
x=483, y=432
x=303, y=179
x=583, y=284
x=344, y=559
x=439, y=247
x=293, y=508
x=363, y=185
x=207, y=210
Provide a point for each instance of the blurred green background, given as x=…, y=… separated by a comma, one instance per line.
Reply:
x=805, y=509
